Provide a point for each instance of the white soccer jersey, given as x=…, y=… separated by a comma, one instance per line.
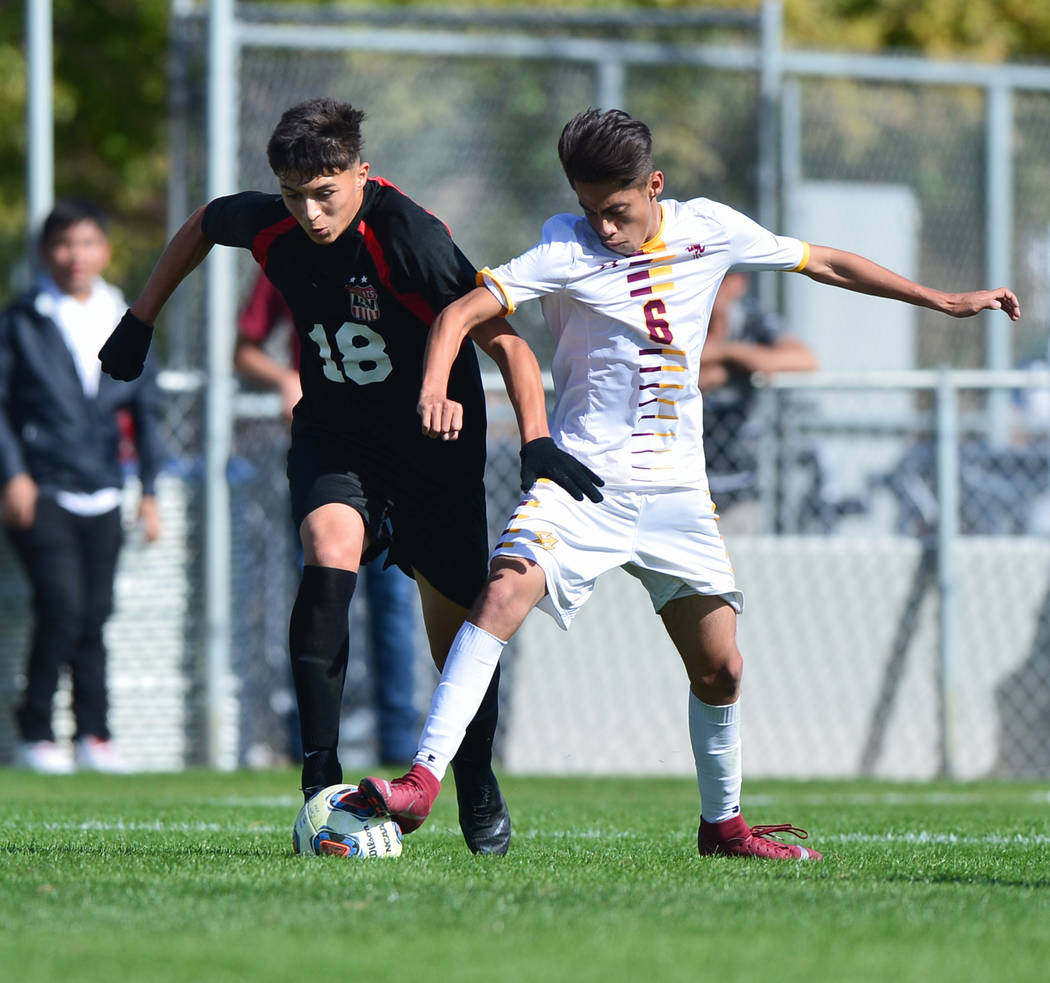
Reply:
x=628, y=332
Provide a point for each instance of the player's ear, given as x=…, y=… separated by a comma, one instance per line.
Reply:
x=362, y=174
x=656, y=184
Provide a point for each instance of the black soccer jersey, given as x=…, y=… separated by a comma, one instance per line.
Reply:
x=362, y=306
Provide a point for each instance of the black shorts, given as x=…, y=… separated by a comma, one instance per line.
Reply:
x=428, y=507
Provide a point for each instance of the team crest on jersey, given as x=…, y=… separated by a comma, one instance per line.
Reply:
x=364, y=299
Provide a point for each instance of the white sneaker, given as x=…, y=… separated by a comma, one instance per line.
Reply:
x=44, y=757
x=95, y=754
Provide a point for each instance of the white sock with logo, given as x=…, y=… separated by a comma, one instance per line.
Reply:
x=468, y=671
x=715, y=736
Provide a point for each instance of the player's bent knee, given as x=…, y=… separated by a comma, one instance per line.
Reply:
x=515, y=586
x=333, y=536
x=331, y=552
x=715, y=675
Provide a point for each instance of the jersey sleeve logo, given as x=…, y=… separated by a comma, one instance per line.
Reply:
x=364, y=299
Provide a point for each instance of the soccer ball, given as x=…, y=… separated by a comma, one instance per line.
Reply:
x=327, y=824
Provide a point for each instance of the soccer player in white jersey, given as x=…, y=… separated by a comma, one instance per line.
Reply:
x=626, y=291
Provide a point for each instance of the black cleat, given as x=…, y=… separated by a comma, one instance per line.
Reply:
x=483, y=813
x=321, y=768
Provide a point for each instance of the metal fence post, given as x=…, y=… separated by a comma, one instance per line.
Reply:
x=998, y=232
x=770, y=71
x=947, y=462
x=610, y=83
x=222, y=143
x=40, y=160
x=178, y=205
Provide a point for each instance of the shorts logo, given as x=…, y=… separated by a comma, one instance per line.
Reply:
x=364, y=299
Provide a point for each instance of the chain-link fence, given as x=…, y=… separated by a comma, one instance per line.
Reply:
x=833, y=493
x=896, y=568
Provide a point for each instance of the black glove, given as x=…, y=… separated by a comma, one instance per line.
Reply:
x=542, y=458
x=124, y=353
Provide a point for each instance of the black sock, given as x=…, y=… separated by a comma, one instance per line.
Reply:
x=318, y=641
x=476, y=749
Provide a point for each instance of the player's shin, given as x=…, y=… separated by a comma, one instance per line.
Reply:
x=466, y=678
x=466, y=684
x=714, y=732
x=318, y=641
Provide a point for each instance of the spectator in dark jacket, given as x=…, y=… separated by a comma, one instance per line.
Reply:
x=62, y=475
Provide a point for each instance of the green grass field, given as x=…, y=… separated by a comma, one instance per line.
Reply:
x=192, y=877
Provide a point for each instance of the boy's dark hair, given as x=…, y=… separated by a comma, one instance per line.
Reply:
x=319, y=136
x=71, y=211
x=597, y=147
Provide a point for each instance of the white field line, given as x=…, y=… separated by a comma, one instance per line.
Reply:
x=941, y=839
x=902, y=798
x=157, y=826
x=921, y=838
x=254, y=802
x=917, y=838
x=897, y=797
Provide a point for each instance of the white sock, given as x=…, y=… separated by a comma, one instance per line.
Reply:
x=715, y=735
x=467, y=674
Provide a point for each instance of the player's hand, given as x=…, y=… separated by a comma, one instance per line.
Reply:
x=149, y=516
x=124, y=353
x=19, y=502
x=542, y=458
x=442, y=417
x=966, y=305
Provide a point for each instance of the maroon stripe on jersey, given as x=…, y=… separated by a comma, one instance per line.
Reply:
x=416, y=303
x=264, y=239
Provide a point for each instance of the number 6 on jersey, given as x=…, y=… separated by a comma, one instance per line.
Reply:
x=659, y=329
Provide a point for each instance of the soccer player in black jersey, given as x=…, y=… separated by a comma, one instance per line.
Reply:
x=365, y=270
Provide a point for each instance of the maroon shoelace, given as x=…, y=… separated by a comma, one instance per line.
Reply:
x=766, y=831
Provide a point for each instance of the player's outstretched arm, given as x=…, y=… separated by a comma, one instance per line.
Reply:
x=843, y=269
x=478, y=314
x=521, y=375
x=124, y=352
x=443, y=417
x=183, y=255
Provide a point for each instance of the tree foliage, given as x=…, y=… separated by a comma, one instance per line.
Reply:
x=110, y=107
x=983, y=30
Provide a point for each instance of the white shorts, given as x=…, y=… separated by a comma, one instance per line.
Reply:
x=668, y=539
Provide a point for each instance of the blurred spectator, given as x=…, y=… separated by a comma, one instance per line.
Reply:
x=265, y=325
x=62, y=477
x=388, y=592
x=741, y=340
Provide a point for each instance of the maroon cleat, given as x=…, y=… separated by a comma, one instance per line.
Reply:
x=407, y=800
x=734, y=838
